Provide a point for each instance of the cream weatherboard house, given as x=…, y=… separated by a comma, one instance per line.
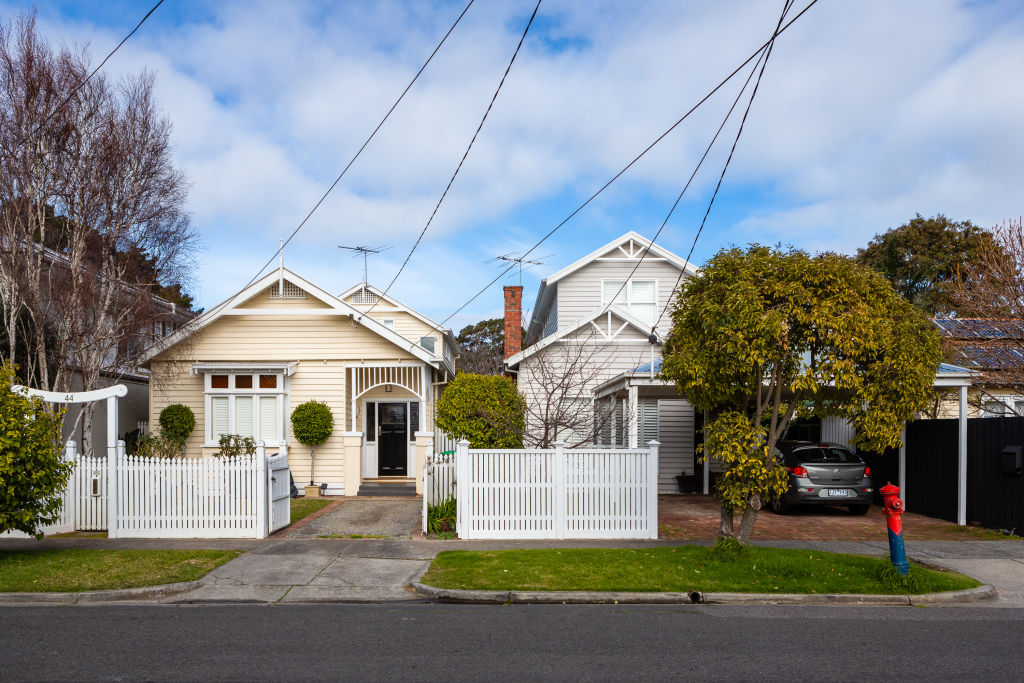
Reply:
x=245, y=364
x=596, y=327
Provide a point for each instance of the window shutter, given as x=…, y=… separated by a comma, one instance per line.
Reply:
x=268, y=419
x=219, y=419
x=648, y=427
x=243, y=416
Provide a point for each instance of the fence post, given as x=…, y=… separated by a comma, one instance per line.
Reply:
x=70, y=510
x=462, y=488
x=261, y=490
x=652, y=489
x=113, y=466
x=558, y=475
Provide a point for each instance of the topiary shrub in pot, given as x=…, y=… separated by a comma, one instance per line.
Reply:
x=176, y=423
x=312, y=424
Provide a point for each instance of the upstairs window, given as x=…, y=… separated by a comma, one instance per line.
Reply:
x=427, y=343
x=639, y=298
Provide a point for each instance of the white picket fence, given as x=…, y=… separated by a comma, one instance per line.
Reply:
x=557, y=493
x=243, y=497
x=438, y=480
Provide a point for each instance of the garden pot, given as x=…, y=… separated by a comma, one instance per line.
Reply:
x=686, y=483
x=313, y=491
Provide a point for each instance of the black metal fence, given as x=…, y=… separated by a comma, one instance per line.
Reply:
x=994, y=498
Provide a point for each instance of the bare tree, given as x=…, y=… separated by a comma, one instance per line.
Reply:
x=92, y=219
x=991, y=288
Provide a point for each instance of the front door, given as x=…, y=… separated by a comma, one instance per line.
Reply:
x=393, y=439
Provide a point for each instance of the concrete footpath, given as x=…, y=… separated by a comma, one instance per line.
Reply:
x=295, y=570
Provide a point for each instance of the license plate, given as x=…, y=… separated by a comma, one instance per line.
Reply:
x=837, y=492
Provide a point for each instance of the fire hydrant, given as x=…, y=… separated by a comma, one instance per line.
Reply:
x=893, y=508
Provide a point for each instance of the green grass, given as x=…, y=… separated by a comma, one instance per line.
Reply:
x=76, y=569
x=981, y=533
x=680, y=568
x=303, y=507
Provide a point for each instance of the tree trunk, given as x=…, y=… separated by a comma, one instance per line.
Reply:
x=725, y=529
x=87, y=445
x=749, y=517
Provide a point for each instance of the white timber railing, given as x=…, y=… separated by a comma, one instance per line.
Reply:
x=557, y=493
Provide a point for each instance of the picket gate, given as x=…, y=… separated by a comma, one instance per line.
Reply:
x=557, y=493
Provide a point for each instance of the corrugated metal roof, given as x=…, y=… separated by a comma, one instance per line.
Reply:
x=991, y=357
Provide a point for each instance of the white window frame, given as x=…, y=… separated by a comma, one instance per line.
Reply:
x=231, y=393
x=627, y=305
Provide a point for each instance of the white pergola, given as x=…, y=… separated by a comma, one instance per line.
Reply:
x=947, y=376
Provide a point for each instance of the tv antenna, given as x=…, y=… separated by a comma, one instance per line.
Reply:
x=519, y=260
x=365, y=251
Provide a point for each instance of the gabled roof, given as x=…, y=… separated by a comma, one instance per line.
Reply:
x=638, y=243
x=339, y=306
x=515, y=359
x=397, y=304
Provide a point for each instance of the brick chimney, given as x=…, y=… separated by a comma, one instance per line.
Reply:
x=513, y=320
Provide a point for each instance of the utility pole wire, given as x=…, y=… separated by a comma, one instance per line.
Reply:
x=93, y=73
x=462, y=160
x=725, y=167
x=718, y=87
x=341, y=175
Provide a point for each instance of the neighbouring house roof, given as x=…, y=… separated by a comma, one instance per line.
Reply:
x=980, y=328
x=628, y=320
x=637, y=242
x=335, y=306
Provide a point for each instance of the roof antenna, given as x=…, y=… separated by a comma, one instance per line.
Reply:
x=365, y=251
x=280, y=270
x=520, y=260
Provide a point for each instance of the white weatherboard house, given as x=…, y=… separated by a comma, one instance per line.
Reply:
x=245, y=364
x=606, y=320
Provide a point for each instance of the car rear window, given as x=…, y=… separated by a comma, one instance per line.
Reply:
x=825, y=454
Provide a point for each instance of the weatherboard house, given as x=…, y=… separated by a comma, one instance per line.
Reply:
x=245, y=364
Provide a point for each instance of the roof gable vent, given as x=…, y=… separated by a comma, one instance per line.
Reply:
x=287, y=291
x=364, y=296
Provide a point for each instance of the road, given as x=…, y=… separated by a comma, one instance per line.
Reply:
x=528, y=642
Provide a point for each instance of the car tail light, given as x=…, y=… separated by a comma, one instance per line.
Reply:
x=867, y=471
x=799, y=470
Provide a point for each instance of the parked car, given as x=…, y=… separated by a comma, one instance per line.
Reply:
x=823, y=474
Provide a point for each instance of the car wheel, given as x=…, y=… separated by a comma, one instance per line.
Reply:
x=780, y=506
x=861, y=509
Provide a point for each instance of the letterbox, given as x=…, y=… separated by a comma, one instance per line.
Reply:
x=1012, y=460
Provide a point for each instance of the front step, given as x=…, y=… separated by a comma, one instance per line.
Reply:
x=387, y=488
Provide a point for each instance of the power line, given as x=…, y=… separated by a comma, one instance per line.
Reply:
x=762, y=63
x=463, y=159
x=354, y=157
x=658, y=139
x=93, y=73
x=725, y=167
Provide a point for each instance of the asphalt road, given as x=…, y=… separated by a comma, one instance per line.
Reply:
x=525, y=642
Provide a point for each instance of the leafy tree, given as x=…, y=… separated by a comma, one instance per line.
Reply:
x=763, y=333
x=482, y=347
x=33, y=472
x=312, y=424
x=487, y=410
x=920, y=258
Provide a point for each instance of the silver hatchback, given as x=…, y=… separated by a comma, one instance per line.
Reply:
x=823, y=474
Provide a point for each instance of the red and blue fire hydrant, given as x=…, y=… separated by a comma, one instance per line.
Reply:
x=893, y=508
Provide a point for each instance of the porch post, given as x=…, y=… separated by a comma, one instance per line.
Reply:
x=112, y=466
x=425, y=374
x=961, y=480
x=634, y=416
x=350, y=378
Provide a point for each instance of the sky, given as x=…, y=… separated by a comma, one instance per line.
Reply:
x=867, y=113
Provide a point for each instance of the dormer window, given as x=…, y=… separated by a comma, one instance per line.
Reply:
x=639, y=298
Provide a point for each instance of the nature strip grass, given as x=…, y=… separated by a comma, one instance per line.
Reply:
x=303, y=507
x=680, y=569
x=76, y=569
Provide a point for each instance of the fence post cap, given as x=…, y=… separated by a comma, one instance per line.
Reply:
x=654, y=442
x=463, y=442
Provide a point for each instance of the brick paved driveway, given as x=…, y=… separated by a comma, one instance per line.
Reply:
x=696, y=517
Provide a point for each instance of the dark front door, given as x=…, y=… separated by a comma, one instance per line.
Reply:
x=393, y=441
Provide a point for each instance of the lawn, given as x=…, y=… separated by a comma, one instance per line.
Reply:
x=677, y=569
x=76, y=569
x=303, y=507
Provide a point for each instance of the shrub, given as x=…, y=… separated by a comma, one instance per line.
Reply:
x=177, y=421
x=33, y=472
x=159, y=445
x=441, y=517
x=312, y=423
x=488, y=410
x=234, y=445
